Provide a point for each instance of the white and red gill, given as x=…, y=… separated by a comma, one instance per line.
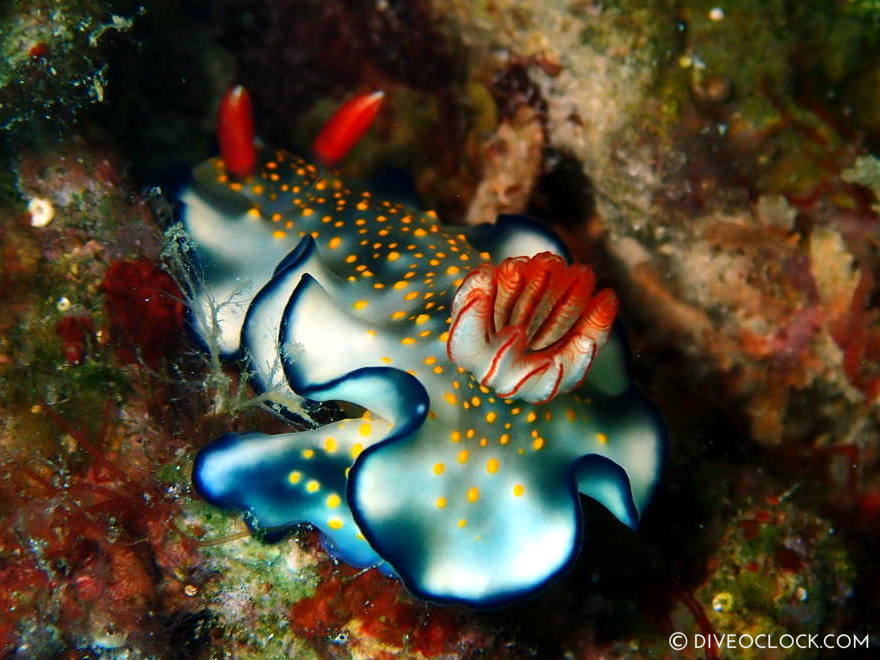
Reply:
x=530, y=327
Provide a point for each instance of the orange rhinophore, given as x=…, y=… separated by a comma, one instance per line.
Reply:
x=347, y=125
x=235, y=132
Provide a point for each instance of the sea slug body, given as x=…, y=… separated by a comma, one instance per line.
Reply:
x=476, y=355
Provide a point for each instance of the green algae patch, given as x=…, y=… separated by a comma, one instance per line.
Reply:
x=778, y=569
x=53, y=62
x=251, y=585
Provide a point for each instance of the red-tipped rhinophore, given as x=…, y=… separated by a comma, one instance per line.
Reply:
x=530, y=327
x=346, y=127
x=235, y=132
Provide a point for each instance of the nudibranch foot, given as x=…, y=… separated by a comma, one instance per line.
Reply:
x=514, y=236
x=278, y=481
x=530, y=327
x=488, y=511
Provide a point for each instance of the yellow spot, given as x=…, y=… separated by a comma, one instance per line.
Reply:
x=538, y=444
x=421, y=318
x=440, y=502
x=531, y=417
x=350, y=259
x=439, y=468
x=308, y=453
x=393, y=256
x=396, y=316
x=313, y=486
x=333, y=500
x=518, y=490
x=356, y=450
x=471, y=433
x=420, y=232
x=473, y=494
x=307, y=212
x=334, y=242
x=455, y=436
x=452, y=270
x=504, y=439
x=276, y=217
x=443, y=336
x=475, y=401
x=438, y=369
x=424, y=333
x=493, y=465
x=295, y=477
x=408, y=340
x=602, y=438
x=334, y=523
x=365, y=430
x=431, y=214
x=386, y=360
x=462, y=522
x=412, y=295
x=402, y=284
x=360, y=304
x=362, y=206
x=483, y=442
x=491, y=417
x=330, y=444
x=278, y=234
x=463, y=456
x=430, y=359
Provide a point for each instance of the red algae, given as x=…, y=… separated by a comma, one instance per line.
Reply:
x=379, y=611
x=82, y=550
x=146, y=310
x=74, y=332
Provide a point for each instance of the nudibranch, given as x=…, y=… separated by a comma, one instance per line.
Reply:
x=490, y=385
